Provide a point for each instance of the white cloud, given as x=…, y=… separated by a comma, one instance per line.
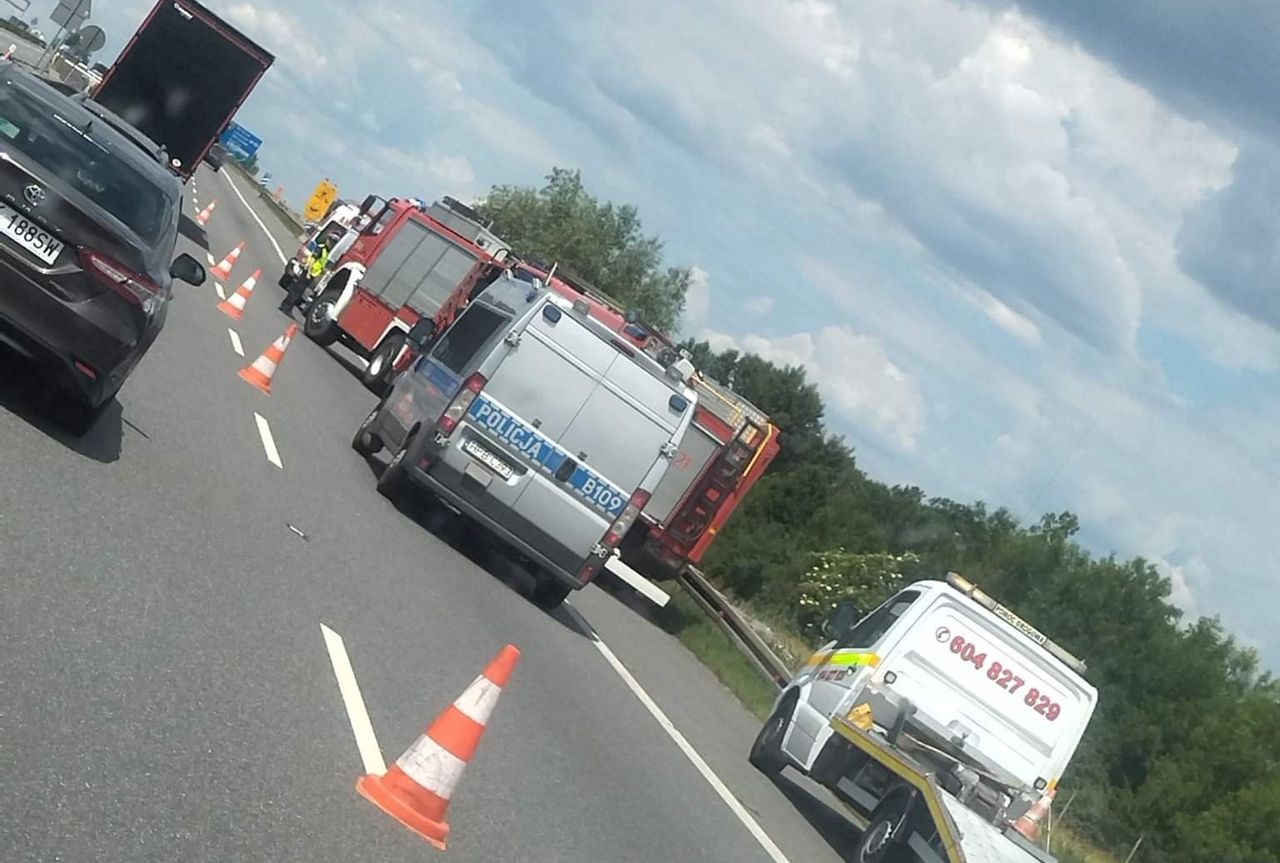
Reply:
x=697, y=300
x=770, y=139
x=759, y=306
x=1006, y=318
x=285, y=34
x=853, y=372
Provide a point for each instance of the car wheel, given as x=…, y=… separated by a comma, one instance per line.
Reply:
x=549, y=592
x=377, y=375
x=766, y=752
x=366, y=442
x=320, y=325
x=882, y=841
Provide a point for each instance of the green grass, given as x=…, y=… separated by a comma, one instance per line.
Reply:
x=683, y=619
x=1069, y=848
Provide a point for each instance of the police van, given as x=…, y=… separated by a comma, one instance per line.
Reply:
x=941, y=718
x=536, y=422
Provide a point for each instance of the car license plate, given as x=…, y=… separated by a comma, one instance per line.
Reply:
x=30, y=236
x=488, y=459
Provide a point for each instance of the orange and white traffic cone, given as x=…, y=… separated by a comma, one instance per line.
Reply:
x=233, y=306
x=223, y=270
x=203, y=218
x=261, y=370
x=417, y=789
x=1029, y=824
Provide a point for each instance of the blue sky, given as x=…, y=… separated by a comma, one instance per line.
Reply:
x=1027, y=250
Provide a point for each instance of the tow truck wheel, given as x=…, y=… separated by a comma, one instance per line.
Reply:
x=366, y=442
x=320, y=325
x=882, y=841
x=766, y=753
x=377, y=375
x=549, y=592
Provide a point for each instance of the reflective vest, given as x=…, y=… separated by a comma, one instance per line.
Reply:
x=319, y=262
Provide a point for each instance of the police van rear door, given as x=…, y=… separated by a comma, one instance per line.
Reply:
x=584, y=423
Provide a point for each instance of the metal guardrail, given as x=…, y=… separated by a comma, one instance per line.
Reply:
x=716, y=607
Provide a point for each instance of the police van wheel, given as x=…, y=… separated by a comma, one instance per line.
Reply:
x=377, y=375
x=550, y=593
x=366, y=442
x=320, y=325
x=766, y=752
x=393, y=484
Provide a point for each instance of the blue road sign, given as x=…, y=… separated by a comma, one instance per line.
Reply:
x=240, y=142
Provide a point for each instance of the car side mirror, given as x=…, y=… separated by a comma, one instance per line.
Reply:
x=188, y=269
x=843, y=616
x=421, y=334
x=369, y=203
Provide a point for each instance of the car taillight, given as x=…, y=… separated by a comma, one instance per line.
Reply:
x=461, y=403
x=135, y=288
x=613, y=536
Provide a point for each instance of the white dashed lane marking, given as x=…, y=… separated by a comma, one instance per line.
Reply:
x=235, y=341
x=361, y=727
x=268, y=442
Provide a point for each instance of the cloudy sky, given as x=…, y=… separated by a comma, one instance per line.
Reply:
x=1028, y=250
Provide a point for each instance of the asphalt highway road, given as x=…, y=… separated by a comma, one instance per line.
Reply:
x=165, y=689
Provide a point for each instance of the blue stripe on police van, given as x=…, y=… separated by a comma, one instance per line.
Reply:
x=440, y=379
x=540, y=451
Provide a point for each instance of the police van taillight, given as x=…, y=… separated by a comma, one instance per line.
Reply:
x=461, y=403
x=613, y=536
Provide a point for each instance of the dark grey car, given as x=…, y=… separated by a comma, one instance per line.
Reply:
x=88, y=228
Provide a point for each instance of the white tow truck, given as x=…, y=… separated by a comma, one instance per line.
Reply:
x=941, y=719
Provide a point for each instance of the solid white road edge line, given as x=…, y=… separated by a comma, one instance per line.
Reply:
x=361, y=727
x=217, y=286
x=235, y=341
x=268, y=442
x=254, y=214
x=717, y=785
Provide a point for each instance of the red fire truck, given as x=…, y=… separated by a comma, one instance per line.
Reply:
x=411, y=262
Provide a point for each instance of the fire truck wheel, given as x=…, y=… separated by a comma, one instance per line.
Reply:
x=549, y=592
x=320, y=325
x=366, y=442
x=377, y=375
x=766, y=752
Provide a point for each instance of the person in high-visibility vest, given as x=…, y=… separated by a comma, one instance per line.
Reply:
x=317, y=261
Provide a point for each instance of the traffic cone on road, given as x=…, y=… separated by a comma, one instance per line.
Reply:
x=1029, y=824
x=223, y=270
x=203, y=218
x=261, y=370
x=233, y=306
x=417, y=789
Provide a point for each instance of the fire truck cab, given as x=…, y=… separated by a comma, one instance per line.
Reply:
x=411, y=262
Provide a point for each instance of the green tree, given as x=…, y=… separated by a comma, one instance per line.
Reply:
x=600, y=243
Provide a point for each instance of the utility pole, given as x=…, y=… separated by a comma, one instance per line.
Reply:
x=76, y=11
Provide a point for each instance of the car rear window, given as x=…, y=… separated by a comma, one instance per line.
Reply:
x=84, y=162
